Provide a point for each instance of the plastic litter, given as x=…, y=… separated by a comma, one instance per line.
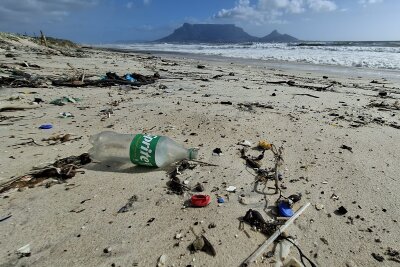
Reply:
x=66, y=115
x=46, y=126
x=264, y=145
x=220, y=200
x=64, y=100
x=231, y=188
x=24, y=251
x=284, y=209
x=141, y=149
x=200, y=200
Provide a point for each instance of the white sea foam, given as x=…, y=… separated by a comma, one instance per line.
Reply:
x=371, y=55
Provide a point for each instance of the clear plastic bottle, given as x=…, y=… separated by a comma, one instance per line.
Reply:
x=141, y=149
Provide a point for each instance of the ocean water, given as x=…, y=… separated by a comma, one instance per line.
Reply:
x=370, y=55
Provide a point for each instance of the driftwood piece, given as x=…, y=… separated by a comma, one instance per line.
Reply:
x=311, y=87
x=4, y=107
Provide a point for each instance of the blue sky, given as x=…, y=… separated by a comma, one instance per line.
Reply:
x=105, y=21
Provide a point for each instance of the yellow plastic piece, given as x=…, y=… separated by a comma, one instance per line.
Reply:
x=264, y=144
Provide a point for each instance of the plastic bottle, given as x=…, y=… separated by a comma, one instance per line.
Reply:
x=141, y=149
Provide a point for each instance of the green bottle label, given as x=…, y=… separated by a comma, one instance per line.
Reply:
x=143, y=149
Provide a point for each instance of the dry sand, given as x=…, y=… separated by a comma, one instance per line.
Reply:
x=73, y=227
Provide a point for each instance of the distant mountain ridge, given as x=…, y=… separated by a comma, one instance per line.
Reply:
x=220, y=33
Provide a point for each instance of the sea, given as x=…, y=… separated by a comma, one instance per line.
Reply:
x=375, y=56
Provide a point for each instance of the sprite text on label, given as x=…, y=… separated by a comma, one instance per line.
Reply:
x=143, y=149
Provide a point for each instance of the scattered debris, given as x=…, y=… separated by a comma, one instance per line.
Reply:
x=60, y=170
x=5, y=217
x=231, y=189
x=377, y=257
x=200, y=200
x=46, y=126
x=162, y=261
x=201, y=243
x=274, y=236
x=129, y=205
x=311, y=87
x=245, y=143
x=394, y=255
x=199, y=187
x=341, y=211
x=217, y=151
x=64, y=100
x=264, y=144
x=220, y=200
x=347, y=148
x=24, y=251
x=174, y=184
x=109, y=80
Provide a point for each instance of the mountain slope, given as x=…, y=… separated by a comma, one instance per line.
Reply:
x=275, y=36
x=208, y=33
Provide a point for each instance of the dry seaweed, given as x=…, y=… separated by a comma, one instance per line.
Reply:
x=60, y=170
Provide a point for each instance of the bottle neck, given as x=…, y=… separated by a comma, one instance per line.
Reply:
x=193, y=153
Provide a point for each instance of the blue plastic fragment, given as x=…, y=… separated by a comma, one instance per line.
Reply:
x=128, y=77
x=221, y=200
x=45, y=126
x=284, y=209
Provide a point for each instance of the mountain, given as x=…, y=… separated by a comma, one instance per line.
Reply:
x=219, y=33
x=275, y=36
x=208, y=33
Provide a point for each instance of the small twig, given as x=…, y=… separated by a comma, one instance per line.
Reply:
x=308, y=95
x=205, y=163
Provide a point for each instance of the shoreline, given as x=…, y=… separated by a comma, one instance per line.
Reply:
x=284, y=65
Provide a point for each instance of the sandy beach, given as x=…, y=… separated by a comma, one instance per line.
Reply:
x=340, y=133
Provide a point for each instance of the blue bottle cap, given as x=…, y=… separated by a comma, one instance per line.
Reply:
x=221, y=200
x=284, y=209
x=45, y=126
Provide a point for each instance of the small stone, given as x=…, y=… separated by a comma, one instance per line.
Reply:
x=324, y=241
x=319, y=206
x=350, y=263
x=178, y=236
x=198, y=244
x=162, y=260
x=107, y=250
x=377, y=257
x=244, y=201
x=211, y=225
x=341, y=211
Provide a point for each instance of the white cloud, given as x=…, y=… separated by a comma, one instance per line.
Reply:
x=146, y=2
x=129, y=5
x=369, y=2
x=29, y=10
x=270, y=10
x=321, y=5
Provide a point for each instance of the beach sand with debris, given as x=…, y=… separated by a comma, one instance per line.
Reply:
x=340, y=135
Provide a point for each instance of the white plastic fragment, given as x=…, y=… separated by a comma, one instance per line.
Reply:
x=245, y=143
x=231, y=188
x=25, y=250
x=162, y=260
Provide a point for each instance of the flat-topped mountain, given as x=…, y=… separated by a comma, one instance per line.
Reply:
x=220, y=33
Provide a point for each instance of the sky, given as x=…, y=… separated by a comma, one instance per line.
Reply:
x=107, y=21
